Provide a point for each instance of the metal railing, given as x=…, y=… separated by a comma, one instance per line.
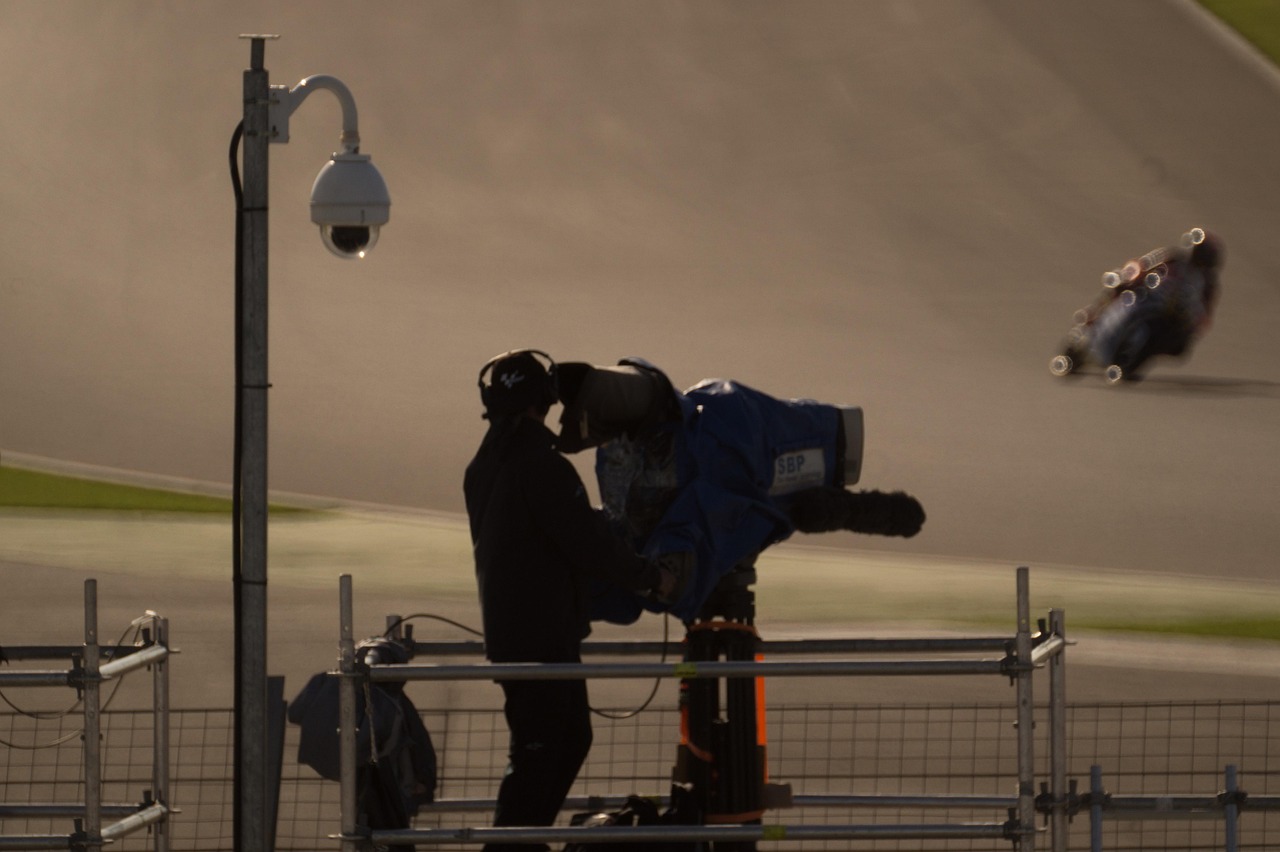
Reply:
x=1227, y=806
x=92, y=665
x=1220, y=811
x=1021, y=655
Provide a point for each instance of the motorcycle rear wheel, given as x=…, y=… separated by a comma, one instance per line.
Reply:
x=1062, y=365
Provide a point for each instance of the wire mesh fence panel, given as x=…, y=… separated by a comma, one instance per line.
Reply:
x=1153, y=750
x=1179, y=749
x=894, y=751
x=202, y=759
x=44, y=760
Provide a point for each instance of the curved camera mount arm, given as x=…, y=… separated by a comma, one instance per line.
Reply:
x=285, y=100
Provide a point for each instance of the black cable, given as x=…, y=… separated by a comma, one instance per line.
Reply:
x=657, y=682
x=237, y=452
x=449, y=621
x=666, y=639
x=237, y=431
x=48, y=716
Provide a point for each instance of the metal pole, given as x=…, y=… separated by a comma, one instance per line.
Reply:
x=37, y=678
x=153, y=815
x=160, y=740
x=717, y=835
x=59, y=652
x=1058, y=735
x=25, y=842
x=92, y=722
x=251, y=579
x=683, y=670
x=347, y=716
x=1232, y=815
x=1096, y=795
x=767, y=647
x=75, y=811
x=138, y=659
x=798, y=802
x=1026, y=721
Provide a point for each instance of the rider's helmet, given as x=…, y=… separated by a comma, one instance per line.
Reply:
x=1207, y=250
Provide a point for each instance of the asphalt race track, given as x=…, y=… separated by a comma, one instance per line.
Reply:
x=892, y=204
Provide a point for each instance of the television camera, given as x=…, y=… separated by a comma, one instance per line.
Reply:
x=714, y=475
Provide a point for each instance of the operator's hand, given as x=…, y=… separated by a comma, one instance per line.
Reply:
x=666, y=584
x=674, y=572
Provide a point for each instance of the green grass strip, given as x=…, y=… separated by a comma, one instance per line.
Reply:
x=1216, y=628
x=29, y=489
x=1257, y=20
x=1209, y=627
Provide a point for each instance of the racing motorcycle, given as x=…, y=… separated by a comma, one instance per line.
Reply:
x=1151, y=306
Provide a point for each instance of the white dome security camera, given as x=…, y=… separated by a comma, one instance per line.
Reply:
x=350, y=202
x=349, y=199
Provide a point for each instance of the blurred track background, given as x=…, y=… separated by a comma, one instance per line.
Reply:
x=891, y=204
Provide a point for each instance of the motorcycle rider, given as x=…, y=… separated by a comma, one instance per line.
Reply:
x=1157, y=304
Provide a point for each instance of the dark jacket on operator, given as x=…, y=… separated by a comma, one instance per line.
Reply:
x=537, y=544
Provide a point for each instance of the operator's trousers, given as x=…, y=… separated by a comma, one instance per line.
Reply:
x=550, y=724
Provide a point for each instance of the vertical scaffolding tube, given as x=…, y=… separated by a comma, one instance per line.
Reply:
x=160, y=736
x=92, y=721
x=1058, y=734
x=1096, y=796
x=347, y=716
x=1026, y=720
x=1232, y=810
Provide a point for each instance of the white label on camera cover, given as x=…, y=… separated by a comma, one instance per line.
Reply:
x=797, y=470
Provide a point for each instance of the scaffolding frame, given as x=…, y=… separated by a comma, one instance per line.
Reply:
x=1021, y=655
x=92, y=665
x=1227, y=805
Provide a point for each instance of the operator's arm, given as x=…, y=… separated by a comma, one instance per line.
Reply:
x=562, y=510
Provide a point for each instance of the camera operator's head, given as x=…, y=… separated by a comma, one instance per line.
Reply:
x=517, y=381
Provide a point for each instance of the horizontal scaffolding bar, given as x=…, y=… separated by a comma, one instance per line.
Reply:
x=136, y=658
x=63, y=652
x=1118, y=806
x=597, y=804
x=53, y=811
x=786, y=646
x=1047, y=649
x=1260, y=803
x=143, y=818
x=35, y=678
x=712, y=669
x=892, y=801
x=1160, y=804
x=144, y=657
x=11, y=843
x=711, y=833
x=1139, y=814
x=1182, y=806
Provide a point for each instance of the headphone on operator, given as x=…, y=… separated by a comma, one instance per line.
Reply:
x=551, y=393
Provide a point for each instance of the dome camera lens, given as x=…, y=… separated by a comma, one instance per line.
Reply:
x=349, y=241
